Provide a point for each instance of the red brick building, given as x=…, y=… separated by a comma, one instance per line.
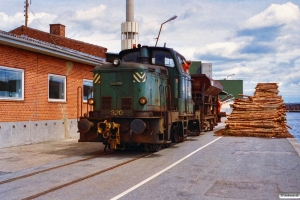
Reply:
x=39, y=78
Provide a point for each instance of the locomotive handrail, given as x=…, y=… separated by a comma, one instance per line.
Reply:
x=79, y=106
x=170, y=99
x=202, y=107
x=161, y=94
x=90, y=91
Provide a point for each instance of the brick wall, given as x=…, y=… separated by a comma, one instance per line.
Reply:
x=35, y=105
x=61, y=41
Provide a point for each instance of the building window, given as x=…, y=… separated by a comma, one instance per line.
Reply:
x=11, y=83
x=87, y=89
x=57, y=88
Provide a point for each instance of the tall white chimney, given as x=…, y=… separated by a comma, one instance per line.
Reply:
x=129, y=29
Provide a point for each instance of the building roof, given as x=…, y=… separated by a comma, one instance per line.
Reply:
x=39, y=46
x=57, y=36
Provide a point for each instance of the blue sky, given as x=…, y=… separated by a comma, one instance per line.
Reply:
x=257, y=40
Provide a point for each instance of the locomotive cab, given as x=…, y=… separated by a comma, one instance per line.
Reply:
x=179, y=79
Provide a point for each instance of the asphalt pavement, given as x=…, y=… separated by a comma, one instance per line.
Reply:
x=21, y=157
x=203, y=167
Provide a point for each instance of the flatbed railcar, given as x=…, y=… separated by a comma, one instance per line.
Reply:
x=145, y=96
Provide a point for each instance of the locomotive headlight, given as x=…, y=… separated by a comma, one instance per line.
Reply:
x=116, y=62
x=91, y=101
x=143, y=100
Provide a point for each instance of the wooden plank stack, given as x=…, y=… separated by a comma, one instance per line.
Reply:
x=261, y=115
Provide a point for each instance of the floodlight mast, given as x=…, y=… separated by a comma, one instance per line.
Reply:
x=172, y=18
x=228, y=76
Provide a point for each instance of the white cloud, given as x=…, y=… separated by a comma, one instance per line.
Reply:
x=222, y=48
x=90, y=14
x=41, y=20
x=275, y=15
x=10, y=22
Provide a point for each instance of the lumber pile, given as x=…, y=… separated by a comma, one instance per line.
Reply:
x=261, y=115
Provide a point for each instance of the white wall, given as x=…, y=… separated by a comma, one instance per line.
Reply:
x=31, y=132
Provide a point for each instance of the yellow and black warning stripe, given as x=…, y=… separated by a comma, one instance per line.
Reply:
x=139, y=77
x=97, y=78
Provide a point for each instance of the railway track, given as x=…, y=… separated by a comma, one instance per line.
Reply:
x=84, y=178
x=73, y=181
x=54, y=188
x=52, y=168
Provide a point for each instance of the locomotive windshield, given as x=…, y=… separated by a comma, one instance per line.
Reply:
x=131, y=57
x=157, y=57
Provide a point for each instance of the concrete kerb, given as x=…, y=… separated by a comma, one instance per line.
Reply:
x=295, y=144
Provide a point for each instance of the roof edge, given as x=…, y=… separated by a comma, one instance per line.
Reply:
x=24, y=27
x=38, y=46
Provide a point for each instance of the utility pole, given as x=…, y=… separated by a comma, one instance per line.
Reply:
x=26, y=13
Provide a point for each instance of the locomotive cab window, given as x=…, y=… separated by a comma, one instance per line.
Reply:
x=131, y=57
x=12, y=83
x=87, y=89
x=57, y=88
x=163, y=58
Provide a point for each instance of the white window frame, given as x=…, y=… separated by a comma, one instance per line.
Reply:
x=89, y=81
x=21, y=98
x=64, y=99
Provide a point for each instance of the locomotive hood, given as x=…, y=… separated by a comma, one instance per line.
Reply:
x=130, y=66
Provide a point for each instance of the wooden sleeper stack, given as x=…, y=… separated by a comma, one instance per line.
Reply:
x=261, y=115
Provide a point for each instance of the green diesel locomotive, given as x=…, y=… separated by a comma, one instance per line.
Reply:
x=146, y=96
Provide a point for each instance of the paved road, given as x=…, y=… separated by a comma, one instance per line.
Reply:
x=204, y=167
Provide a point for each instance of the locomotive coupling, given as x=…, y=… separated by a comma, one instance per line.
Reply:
x=111, y=131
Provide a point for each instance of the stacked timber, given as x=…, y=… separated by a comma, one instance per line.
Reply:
x=261, y=115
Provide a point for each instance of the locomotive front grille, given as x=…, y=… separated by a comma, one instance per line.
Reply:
x=126, y=103
x=106, y=103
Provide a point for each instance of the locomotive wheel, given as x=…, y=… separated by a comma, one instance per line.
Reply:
x=211, y=125
x=153, y=147
x=174, y=136
x=180, y=132
x=167, y=145
x=157, y=147
x=147, y=147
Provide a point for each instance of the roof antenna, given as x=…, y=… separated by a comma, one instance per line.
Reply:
x=26, y=12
